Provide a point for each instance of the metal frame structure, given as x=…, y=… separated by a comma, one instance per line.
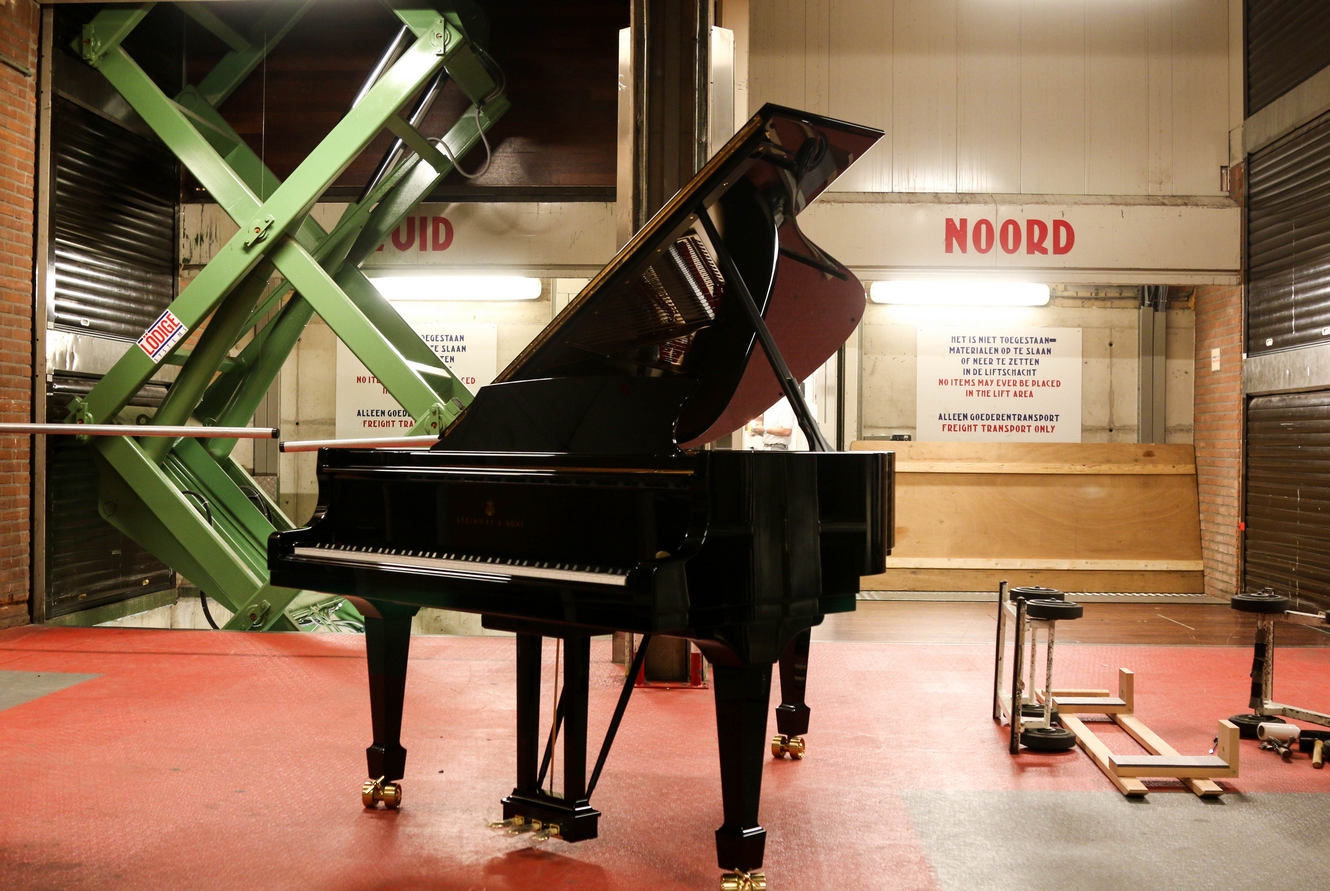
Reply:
x=185, y=499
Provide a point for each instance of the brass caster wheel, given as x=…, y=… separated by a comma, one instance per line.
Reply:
x=375, y=791
x=788, y=745
x=743, y=881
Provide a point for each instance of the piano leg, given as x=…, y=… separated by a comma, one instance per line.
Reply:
x=387, y=642
x=792, y=713
x=568, y=816
x=743, y=694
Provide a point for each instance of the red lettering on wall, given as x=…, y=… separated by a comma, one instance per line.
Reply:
x=422, y=234
x=983, y=236
x=1064, y=237
x=1036, y=232
x=955, y=234
x=959, y=236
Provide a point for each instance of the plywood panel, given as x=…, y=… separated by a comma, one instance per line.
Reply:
x=1103, y=516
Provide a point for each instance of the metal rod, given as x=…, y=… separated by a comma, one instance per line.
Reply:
x=744, y=297
x=385, y=442
x=143, y=430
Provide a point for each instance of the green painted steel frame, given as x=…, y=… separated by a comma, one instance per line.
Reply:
x=186, y=500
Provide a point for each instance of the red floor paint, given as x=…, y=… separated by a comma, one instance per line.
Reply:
x=232, y=760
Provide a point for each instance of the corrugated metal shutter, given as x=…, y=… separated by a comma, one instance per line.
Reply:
x=88, y=561
x=113, y=244
x=113, y=224
x=1287, y=41
x=1288, y=241
x=1288, y=495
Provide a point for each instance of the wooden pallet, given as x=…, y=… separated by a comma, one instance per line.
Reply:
x=1197, y=772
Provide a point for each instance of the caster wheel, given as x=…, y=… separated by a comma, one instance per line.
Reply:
x=375, y=791
x=743, y=881
x=1032, y=592
x=1043, y=608
x=1048, y=739
x=1262, y=601
x=793, y=746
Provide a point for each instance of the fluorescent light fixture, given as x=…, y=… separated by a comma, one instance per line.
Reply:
x=435, y=286
x=958, y=292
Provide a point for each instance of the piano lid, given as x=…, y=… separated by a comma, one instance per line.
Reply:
x=663, y=308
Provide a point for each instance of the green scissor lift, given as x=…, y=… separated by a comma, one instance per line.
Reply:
x=186, y=500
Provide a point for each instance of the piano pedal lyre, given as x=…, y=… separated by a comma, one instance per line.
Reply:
x=375, y=791
x=782, y=745
x=743, y=881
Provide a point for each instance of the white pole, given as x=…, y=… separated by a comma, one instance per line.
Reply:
x=137, y=430
x=313, y=445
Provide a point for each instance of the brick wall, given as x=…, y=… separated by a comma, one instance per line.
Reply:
x=1218, y=434
x=19, y=21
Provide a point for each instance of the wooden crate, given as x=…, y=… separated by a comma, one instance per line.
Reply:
x=1074, y=516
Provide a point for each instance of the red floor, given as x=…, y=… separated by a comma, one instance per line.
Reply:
x=230, y=760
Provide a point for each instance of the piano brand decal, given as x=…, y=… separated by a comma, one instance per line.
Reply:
x=422, y=234
x=999, y=386
x=164, y=333
x=1010, y=236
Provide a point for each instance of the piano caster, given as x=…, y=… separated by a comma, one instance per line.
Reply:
x=375, y=791
x=783, y=745
x=743, y=881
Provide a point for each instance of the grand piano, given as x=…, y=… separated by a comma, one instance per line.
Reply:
x=578, y=494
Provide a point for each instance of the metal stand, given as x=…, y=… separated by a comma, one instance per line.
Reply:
x=189, y=503
x=1267, y=605
x=1028, y=708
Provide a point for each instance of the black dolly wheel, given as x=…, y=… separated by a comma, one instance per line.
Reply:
x=1048, y=739
x=1033, y=592
x=1041, y=608
x=1262, y=601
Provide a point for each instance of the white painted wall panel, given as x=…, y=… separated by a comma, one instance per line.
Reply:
x=923, y=120
x=1053, y=98
x=988, y=107
x=1117, y=150
x=1129, y=97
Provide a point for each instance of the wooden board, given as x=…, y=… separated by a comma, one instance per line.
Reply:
x=1073, y=516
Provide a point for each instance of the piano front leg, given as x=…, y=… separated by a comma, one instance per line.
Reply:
x=743, y=694
x=387, y=644
x=792, y=713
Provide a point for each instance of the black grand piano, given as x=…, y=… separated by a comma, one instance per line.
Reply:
x=576, y=495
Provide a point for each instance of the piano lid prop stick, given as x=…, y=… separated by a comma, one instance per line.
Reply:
x=137, y=430
x=386, y=442
x=734, y=278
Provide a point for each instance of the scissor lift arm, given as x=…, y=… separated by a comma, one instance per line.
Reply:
x=186, y=500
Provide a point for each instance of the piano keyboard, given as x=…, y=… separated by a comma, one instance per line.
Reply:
x=497, y=568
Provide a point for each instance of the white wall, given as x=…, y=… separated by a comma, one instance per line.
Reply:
x=1069, y=97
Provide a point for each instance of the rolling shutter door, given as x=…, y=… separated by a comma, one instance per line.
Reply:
x=1287, y=542
x=1286, y=43
x=113, y=247
x=1288, y=241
